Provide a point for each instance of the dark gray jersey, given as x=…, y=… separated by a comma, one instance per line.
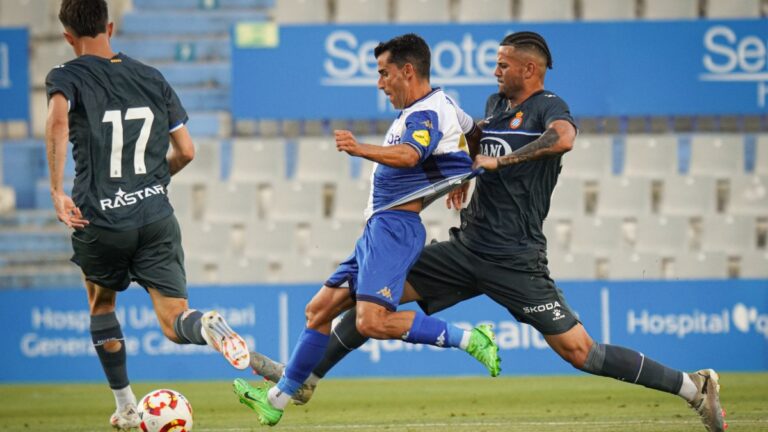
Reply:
x=120, y=115
x=506, y=213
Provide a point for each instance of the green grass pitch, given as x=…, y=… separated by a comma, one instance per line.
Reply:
x=547, y=403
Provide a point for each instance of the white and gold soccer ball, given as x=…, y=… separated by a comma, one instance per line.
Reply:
x=165, y=410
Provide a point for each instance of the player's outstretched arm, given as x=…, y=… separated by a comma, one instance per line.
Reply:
x=396, y=156
x=556, y=140
x=56, y=138
x=182, y=150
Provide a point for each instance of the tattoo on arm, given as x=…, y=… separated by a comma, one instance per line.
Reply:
x=540, y=148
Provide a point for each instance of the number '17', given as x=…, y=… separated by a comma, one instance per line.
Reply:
x=115, y=160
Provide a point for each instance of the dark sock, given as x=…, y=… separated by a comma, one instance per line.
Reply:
x=631, y=366
x=187, y=327
x=344, y=339
x=106, y=328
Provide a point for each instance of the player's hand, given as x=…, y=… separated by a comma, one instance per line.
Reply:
x=486, y=162
x=458, y=196
x=346, y=142
x=68, y=213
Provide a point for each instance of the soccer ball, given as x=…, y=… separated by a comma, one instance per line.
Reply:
x=165, y=410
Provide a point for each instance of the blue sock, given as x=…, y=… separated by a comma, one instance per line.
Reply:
x=306, y=355
x=433, y=331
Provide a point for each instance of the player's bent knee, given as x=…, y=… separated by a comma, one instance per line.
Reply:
x=370, y=326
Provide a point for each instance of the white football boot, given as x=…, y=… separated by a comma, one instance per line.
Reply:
x=707, y=401
x=125, y=419
x=223, y=339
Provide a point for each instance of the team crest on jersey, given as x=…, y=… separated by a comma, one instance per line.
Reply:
x=422, y=137
x=517, y=121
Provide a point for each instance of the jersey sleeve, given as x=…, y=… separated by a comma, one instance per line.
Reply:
x=59, y=81
x=556, y=109
x=177, y=115
x=422, y=132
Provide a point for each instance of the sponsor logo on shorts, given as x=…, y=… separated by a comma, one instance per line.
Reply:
x=385, y=292
x=543, y=308
x=124, y=199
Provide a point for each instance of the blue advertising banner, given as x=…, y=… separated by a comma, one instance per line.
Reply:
x=686, y=325
x=14, y=74
x=655, y=68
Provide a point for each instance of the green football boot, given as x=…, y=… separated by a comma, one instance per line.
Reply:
x=482, y=346
x=256, y=399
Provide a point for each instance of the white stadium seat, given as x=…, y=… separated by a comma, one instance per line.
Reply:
x=761, y=155
x=676, y=9
x=350, y=200
x=546, y=10
x=258, y=160
x=334, y=239
x=717, y=155
x=653, y=156
x=733, y=8
x=319, y=161
x=754, y=264
x=206, y=166
x=567, y=199
x=571, y=265
x=295, y=201
x=728, y=233
x=207, y=240
x=599, y=236
x=362, y=11
x=608, y=9
x=241, y=270
x=635, y=266
x=693, y=265
x=590, y=158
x=624, y=196
x=666, y=235
x=231, y=202
x=749, y=195
x=305, y=269
x=484, y=11
x=271, y=239
x=39, y=16
x=301, y=11
x=419, y=11
x=689, y=196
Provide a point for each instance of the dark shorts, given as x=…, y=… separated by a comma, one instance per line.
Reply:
x=151, y=255
x=448, y=273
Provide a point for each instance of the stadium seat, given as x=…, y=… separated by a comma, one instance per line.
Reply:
x=230, y=202
x=184, y=200
x=599, y=236
x=258, y=160
x=242, y=270
x=571, y=265
x=728, y=233
x=437, y=218
x=205, y=48
x=187, y=74
x=204, y=98
x=677, y=9
x=653, y=156
x=206, y=166
x=733, y=8
x=44, y=55
x=635, y=266
x=546, y=10
x=484, y=11
x=624, y=196
x=350, y=200
x=305, y=269
x=761, y=155
x=754, y=264
x=691, y=265
x=749, y=195
x=301, y=11
x=206, y=240
x=38, y=102
x=558, y=234
x=40, y=17
x=271, y=239
x=717, y=155
x=199, y=271
x=419, y=11
x=362, y=11
x=189, y=23
x=689, y=196
x=590, y=158
x=608, y=10
x=567, y=199
x=667, y=235
x=319, y=161
x=295, y=201
x=200, y=4
x=334, y=239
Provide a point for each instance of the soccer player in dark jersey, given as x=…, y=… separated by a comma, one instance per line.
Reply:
x=500, y=249
x=120, y=115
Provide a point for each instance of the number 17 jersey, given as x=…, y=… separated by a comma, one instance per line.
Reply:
x=121, y=112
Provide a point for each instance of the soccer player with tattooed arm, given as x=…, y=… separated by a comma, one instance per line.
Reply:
x=500, y=249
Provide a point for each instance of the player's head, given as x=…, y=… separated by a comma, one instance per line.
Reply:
x=403, y=62
x=84, y=19
x=523, y=59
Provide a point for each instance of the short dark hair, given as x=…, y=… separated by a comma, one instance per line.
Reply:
x=531, y=41
x=84, y=17
x=407, y=48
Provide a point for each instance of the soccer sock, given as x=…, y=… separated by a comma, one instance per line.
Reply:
x=188, y=327
x=106, y=328
x=433, y=331
x=631, y=366
x=123, y=397
x=307, y=353
x=344, y=339
x=688, y=390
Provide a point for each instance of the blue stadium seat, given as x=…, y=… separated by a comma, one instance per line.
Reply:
x=174, y=49
x=193, y=23
x=204, y=99
x=217, y=74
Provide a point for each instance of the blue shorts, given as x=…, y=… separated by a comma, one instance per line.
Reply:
x=390, y=245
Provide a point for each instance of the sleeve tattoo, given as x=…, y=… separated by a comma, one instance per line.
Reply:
x=540, y=148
